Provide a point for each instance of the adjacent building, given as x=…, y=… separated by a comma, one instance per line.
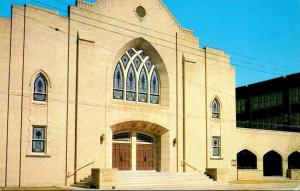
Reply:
x=270, y=105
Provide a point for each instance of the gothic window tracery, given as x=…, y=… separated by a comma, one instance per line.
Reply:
x=142, y=79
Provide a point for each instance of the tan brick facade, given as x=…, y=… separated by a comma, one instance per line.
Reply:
x=77, y=55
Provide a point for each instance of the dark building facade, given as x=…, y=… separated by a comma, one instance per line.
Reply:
x=270, y=105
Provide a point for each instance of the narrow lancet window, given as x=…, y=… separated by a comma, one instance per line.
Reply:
x=40, y=88
x=215, y=109
x=131, y=85
x=143, y=86
x=154, y=93
x=118, y=83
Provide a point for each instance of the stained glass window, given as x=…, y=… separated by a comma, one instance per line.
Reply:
x=136, y=60
x=216, y=149
x=118, y=83
x=125, y=60
x=149, y=65
x=38, y=139
x=143, y=86
x=131, y=85
x=154, y=91
x=143, y=55
x=215, y=109
x=40, y=88
x=137, y=63
x=131, y=53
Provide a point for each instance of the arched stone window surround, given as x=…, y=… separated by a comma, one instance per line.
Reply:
x=149, y=50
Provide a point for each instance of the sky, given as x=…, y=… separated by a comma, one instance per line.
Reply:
x=262, y=37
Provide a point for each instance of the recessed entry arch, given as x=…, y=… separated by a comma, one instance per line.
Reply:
x=136, y=145
x=272, y=162
x=294, y=160
x=246, y=160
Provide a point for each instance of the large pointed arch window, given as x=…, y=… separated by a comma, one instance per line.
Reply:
x=142, y=79
x=118, y=82
x=40, y=88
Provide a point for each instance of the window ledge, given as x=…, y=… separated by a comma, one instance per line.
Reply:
x=216, y=119
x=137, y=104
x=39, y=102
x=38, y=156
x=216, y=158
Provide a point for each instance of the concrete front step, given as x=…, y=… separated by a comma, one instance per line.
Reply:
x=141, y=179
x=177, y=186
x=82, y=185
x=162, y=180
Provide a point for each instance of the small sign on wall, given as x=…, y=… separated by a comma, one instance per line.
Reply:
x=233, y=163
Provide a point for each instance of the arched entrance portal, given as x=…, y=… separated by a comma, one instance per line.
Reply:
x=272, y=164
x=294, y=160
x=246, y=160
x=137, y=146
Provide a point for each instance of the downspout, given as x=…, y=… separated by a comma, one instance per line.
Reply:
x=177, y=102
x=8, y=96
x=67, y=110
x=76, y=109
x=183, y=111
x=206, y=138
x=22, y=98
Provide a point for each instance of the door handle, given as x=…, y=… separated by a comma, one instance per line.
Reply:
x=145, y=159
x=121, y=158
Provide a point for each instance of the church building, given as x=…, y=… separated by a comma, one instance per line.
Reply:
x=120, y=85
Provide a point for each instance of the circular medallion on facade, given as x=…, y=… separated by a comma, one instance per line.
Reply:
x=140, y=11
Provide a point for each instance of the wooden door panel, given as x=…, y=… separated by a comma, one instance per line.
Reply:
x=121, y=156
x=145, y=157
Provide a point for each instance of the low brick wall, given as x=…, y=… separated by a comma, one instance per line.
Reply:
x=293, y=174
x=250, y=174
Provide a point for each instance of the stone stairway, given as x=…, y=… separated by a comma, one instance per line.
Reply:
x=163, y=180
x=84, y=183
x=153, y=180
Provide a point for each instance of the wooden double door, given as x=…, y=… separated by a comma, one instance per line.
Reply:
x=121, y=156
x=144, y=157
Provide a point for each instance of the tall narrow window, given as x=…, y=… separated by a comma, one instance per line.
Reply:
x=118, y=83
x=154, y=91
x=38, y=139
x=215, y=109
x=40, y=88
x=143, y=86
x=131, y=85
x=216, y=146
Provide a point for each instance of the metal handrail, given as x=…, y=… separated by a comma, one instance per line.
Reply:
x=192, y=167
x=79, y=169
